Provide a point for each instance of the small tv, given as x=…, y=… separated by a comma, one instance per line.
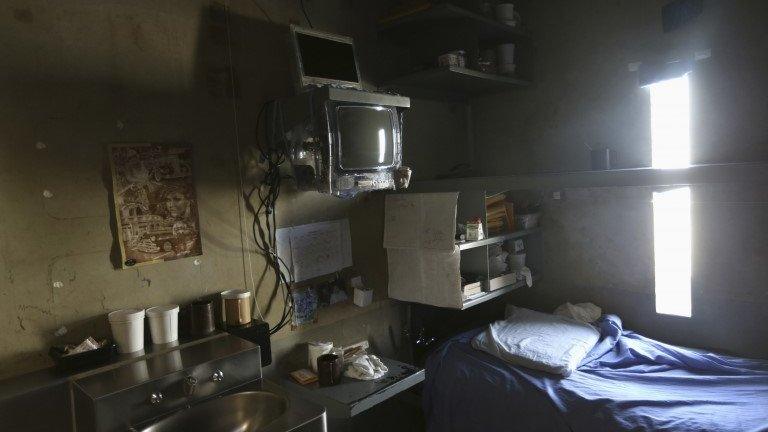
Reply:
x=342, y=141
x=324, y=59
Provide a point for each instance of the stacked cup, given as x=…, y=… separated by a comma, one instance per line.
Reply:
x=128, y=326
x=128, y=329
x=164, y=323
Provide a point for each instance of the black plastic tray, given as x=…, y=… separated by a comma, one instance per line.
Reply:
x=82, y=360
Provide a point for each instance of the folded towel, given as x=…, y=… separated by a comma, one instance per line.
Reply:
x=366, y=367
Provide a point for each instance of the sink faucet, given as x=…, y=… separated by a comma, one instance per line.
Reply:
x=190, y=384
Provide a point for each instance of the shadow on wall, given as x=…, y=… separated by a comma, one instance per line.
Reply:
x=78, y=76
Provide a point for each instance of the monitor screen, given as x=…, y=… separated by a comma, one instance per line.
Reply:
x=366, y=138
x=326, y=58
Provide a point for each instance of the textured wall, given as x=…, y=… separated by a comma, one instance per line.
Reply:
x=78, y=75
x=584, y=94
x=598, y=248
x=599, y=242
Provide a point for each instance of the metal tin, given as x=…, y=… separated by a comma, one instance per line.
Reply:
x=457, y=58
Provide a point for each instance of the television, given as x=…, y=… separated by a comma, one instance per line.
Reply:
x=324, y=59
x=341, y=141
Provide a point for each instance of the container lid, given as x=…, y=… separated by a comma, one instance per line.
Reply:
x=124, y=315
x=161, y=310
x=235, y=294
x=321, y=344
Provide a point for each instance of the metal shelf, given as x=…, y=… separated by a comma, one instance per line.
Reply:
x=454, y=82
x=401, y=27
x=751, y=173
x=495, y=293
x=498, y=238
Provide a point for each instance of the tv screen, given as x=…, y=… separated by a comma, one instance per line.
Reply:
x=326, y=58
x=365, y=137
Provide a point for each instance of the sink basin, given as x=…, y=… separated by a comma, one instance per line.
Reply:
x=240, y=412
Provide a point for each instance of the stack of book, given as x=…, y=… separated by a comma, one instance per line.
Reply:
x=499, y=214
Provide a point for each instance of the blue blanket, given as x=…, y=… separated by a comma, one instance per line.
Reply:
x=626, y=382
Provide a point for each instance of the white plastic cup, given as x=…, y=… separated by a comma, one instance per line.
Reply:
x=505, y=12
x=127, y=329
x=163, y=323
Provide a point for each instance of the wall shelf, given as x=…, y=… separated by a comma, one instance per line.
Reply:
x=752, y=173
x=490, y=295
x=455, y=82
x=438, y=277
x=498, y=238
x=486, y=28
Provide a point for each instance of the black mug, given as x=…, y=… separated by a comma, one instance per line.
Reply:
x=329, y=369
x=201, y=318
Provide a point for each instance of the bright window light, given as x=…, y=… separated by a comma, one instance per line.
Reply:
x=672, y=251
x=670, y=133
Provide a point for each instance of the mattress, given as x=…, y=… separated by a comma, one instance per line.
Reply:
x=626, y=382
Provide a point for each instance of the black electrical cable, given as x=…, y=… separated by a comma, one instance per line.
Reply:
x=264, y=234
x=306, y=15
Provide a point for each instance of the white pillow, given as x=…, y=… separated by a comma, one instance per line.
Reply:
x=538, y=341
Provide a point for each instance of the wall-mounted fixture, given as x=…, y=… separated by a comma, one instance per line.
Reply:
x=338, y=138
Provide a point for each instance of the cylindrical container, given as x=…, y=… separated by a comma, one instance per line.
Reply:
x=127, y=329
x=456, y=58
x=505, y=13
x=201, y=321
x=505, y=58
x=315, y=350
x=163, y=323
x=237, y=307
x=329, y=368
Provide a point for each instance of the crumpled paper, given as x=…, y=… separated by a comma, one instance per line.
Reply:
x=366, y=367
x=87, y=345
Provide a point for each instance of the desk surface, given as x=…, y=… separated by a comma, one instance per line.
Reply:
x=351, y=396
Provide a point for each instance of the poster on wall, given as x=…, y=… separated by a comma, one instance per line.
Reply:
x=155, y=202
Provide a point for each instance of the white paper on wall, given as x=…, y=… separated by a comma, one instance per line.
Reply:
x=315, y=249
x=420, y=221
x=425, y=276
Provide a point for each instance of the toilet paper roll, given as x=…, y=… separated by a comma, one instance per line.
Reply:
x=315, y=350
x=517, y=261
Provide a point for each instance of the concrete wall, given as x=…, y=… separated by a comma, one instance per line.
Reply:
x=599, y=241
x=78, y=75
x=598, y=248
x=583, y=93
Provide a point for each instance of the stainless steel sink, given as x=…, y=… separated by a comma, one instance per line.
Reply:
x=239, y=412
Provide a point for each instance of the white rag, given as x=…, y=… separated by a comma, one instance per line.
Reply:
x=366, y=367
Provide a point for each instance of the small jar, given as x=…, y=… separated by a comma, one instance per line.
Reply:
x=475, y=230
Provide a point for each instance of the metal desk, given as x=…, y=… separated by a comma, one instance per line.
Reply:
x=351, y=396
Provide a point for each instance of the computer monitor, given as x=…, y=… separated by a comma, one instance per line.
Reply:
x=324, y=59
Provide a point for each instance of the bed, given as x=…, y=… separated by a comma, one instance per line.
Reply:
x=626, y=382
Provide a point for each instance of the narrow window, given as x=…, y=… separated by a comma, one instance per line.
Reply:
x=672, y=251
x=671, y=148
x=670, y=114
